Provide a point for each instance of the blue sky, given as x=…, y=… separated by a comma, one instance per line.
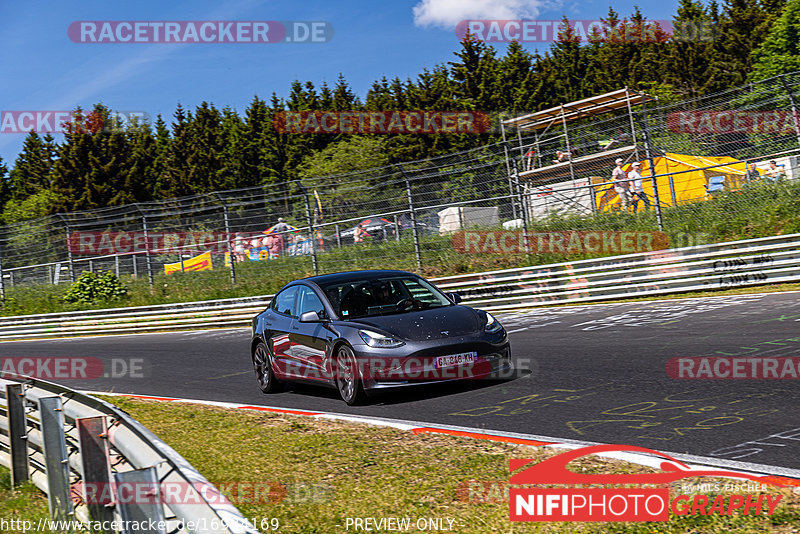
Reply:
x=43, y=70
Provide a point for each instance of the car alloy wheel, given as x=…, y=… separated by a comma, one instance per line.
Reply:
x=263, y=369
x=347, y=380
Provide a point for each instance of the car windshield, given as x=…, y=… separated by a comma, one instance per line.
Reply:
x=383, y=296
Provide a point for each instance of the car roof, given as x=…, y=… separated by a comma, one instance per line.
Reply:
x=350, y=276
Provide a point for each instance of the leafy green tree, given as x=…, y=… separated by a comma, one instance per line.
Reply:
x=324, y=172
x=780, y=51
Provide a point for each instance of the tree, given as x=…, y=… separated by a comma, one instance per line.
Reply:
x=31, y=172
x=688, y=52
x=780, y=51
x=5, y=184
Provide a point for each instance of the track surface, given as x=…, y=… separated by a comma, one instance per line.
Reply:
x=592, y=373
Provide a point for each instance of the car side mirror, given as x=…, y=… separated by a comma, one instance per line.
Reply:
x=455, y=297
x=310, y=317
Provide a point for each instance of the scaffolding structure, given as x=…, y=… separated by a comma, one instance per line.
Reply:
x=580, y=161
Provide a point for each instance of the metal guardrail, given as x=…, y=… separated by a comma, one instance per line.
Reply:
x=70, y=444
x=697, y=268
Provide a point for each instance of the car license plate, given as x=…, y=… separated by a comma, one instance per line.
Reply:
x=454, y=359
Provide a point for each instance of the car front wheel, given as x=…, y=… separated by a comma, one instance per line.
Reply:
x=348, y=381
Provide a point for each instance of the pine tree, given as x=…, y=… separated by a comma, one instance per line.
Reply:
x=31, y=172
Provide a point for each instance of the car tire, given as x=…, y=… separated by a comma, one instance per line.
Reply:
x=348, y=381
x=262, y=366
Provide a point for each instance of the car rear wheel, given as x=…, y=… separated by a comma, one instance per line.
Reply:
x=347, y=380
x=263, y=369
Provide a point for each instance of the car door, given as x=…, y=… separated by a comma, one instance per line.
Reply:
x=278, y=324
x=309, y=340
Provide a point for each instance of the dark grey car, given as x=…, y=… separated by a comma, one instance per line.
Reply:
x=363, y=331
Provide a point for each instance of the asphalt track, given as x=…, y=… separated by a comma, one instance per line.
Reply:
x=589, y=373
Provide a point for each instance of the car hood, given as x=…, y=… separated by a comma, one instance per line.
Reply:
x=421, y=325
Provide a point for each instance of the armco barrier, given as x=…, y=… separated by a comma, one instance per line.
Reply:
x=705, y=267
x=59, y=439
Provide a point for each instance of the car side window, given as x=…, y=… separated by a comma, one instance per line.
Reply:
x=309, y=301
x=285, y=301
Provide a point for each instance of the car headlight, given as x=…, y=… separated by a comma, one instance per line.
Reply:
x=492, y=324
x=374, y=339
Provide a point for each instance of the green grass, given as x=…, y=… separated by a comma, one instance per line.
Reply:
x=367, y=471
x=21, y=504
x=759, y=210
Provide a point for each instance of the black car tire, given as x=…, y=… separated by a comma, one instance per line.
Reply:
x=348, y=381
x=263, y=369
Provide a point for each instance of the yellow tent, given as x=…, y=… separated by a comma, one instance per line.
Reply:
x=688, y=185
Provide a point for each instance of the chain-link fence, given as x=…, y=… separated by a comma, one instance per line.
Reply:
x=697, y=186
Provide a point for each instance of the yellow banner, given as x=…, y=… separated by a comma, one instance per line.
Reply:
x=198, y=263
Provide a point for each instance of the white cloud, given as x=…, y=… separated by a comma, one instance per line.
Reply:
x=448, y=13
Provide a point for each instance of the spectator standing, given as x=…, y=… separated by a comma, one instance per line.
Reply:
x=529, y=157
x=638, y=188
x=620, y=185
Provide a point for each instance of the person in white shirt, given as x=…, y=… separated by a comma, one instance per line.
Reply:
x=636, y=187
x=620, y=186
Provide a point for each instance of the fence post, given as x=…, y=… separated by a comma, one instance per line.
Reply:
x=69, y=249
x=116, y=264
x=672, y=190
x=522, y=205
x=147, y=251
x=414, y=228
x=649, y=155
x=794, y=108
x=338, y=237
x=228, y=238
x=396, y=229
x=2, y=277
x=17, y=433
x=310, y=228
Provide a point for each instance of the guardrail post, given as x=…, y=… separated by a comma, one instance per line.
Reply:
x=414, y=229
x=141, y=512
x=56, y=460
x=96, y=470
x=69, y=249
x=310, y=223
x=17, y=433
